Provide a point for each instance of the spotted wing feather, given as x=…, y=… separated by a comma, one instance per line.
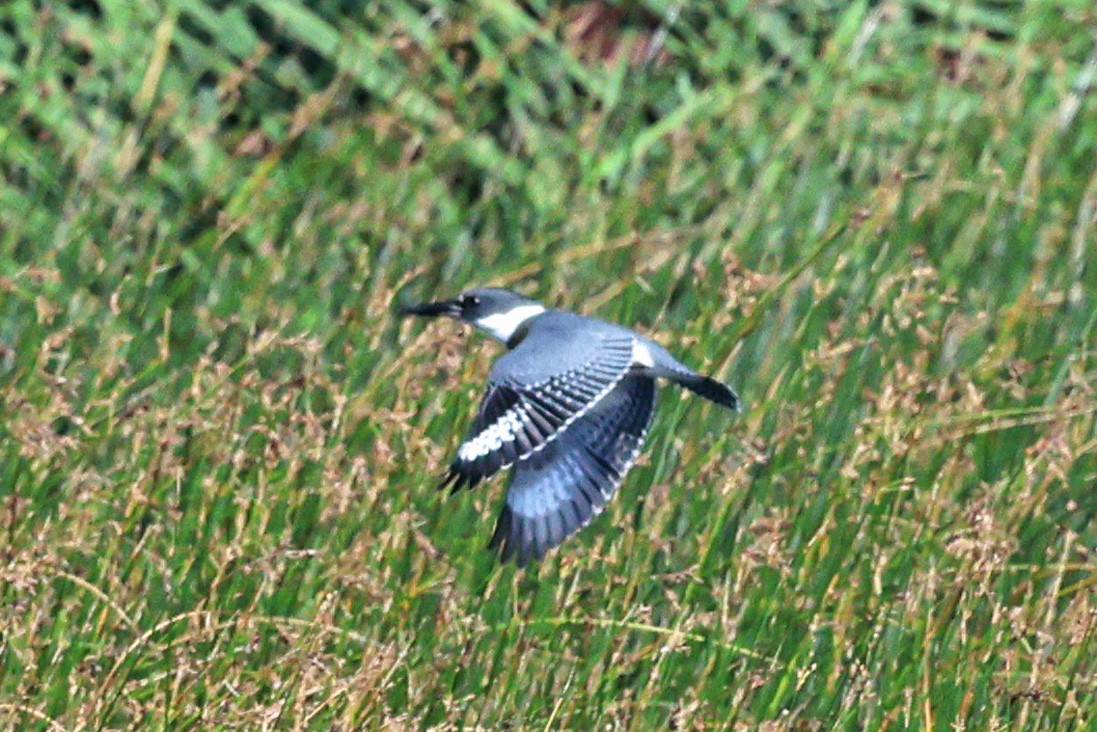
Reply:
x=557, y=490
x=519, y=418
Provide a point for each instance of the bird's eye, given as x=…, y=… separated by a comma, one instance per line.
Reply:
x=467, y=300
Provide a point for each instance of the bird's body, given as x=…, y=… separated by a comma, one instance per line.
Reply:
x=568, y=408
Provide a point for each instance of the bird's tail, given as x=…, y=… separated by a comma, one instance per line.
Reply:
x=662, y=364
x=709, y=388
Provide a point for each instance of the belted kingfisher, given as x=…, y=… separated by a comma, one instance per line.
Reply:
x=568, y=407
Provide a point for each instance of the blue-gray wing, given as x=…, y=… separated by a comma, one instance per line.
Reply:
x=535, y=394
x=557, y=490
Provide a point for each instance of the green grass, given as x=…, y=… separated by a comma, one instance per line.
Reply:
x=878, y=221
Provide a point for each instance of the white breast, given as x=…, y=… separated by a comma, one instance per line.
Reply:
x=503, y=325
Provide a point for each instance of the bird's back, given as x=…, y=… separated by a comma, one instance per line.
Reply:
x=556, y=342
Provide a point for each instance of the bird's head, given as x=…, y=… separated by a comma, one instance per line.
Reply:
x=494, y=310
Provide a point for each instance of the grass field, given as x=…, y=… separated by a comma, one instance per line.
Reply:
x=219, y=446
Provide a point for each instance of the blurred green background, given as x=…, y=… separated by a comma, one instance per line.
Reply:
x=877, y=220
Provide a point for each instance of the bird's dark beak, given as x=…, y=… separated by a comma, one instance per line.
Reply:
x=450, y=308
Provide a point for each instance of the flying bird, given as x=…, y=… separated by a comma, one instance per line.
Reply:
x=567, y=407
